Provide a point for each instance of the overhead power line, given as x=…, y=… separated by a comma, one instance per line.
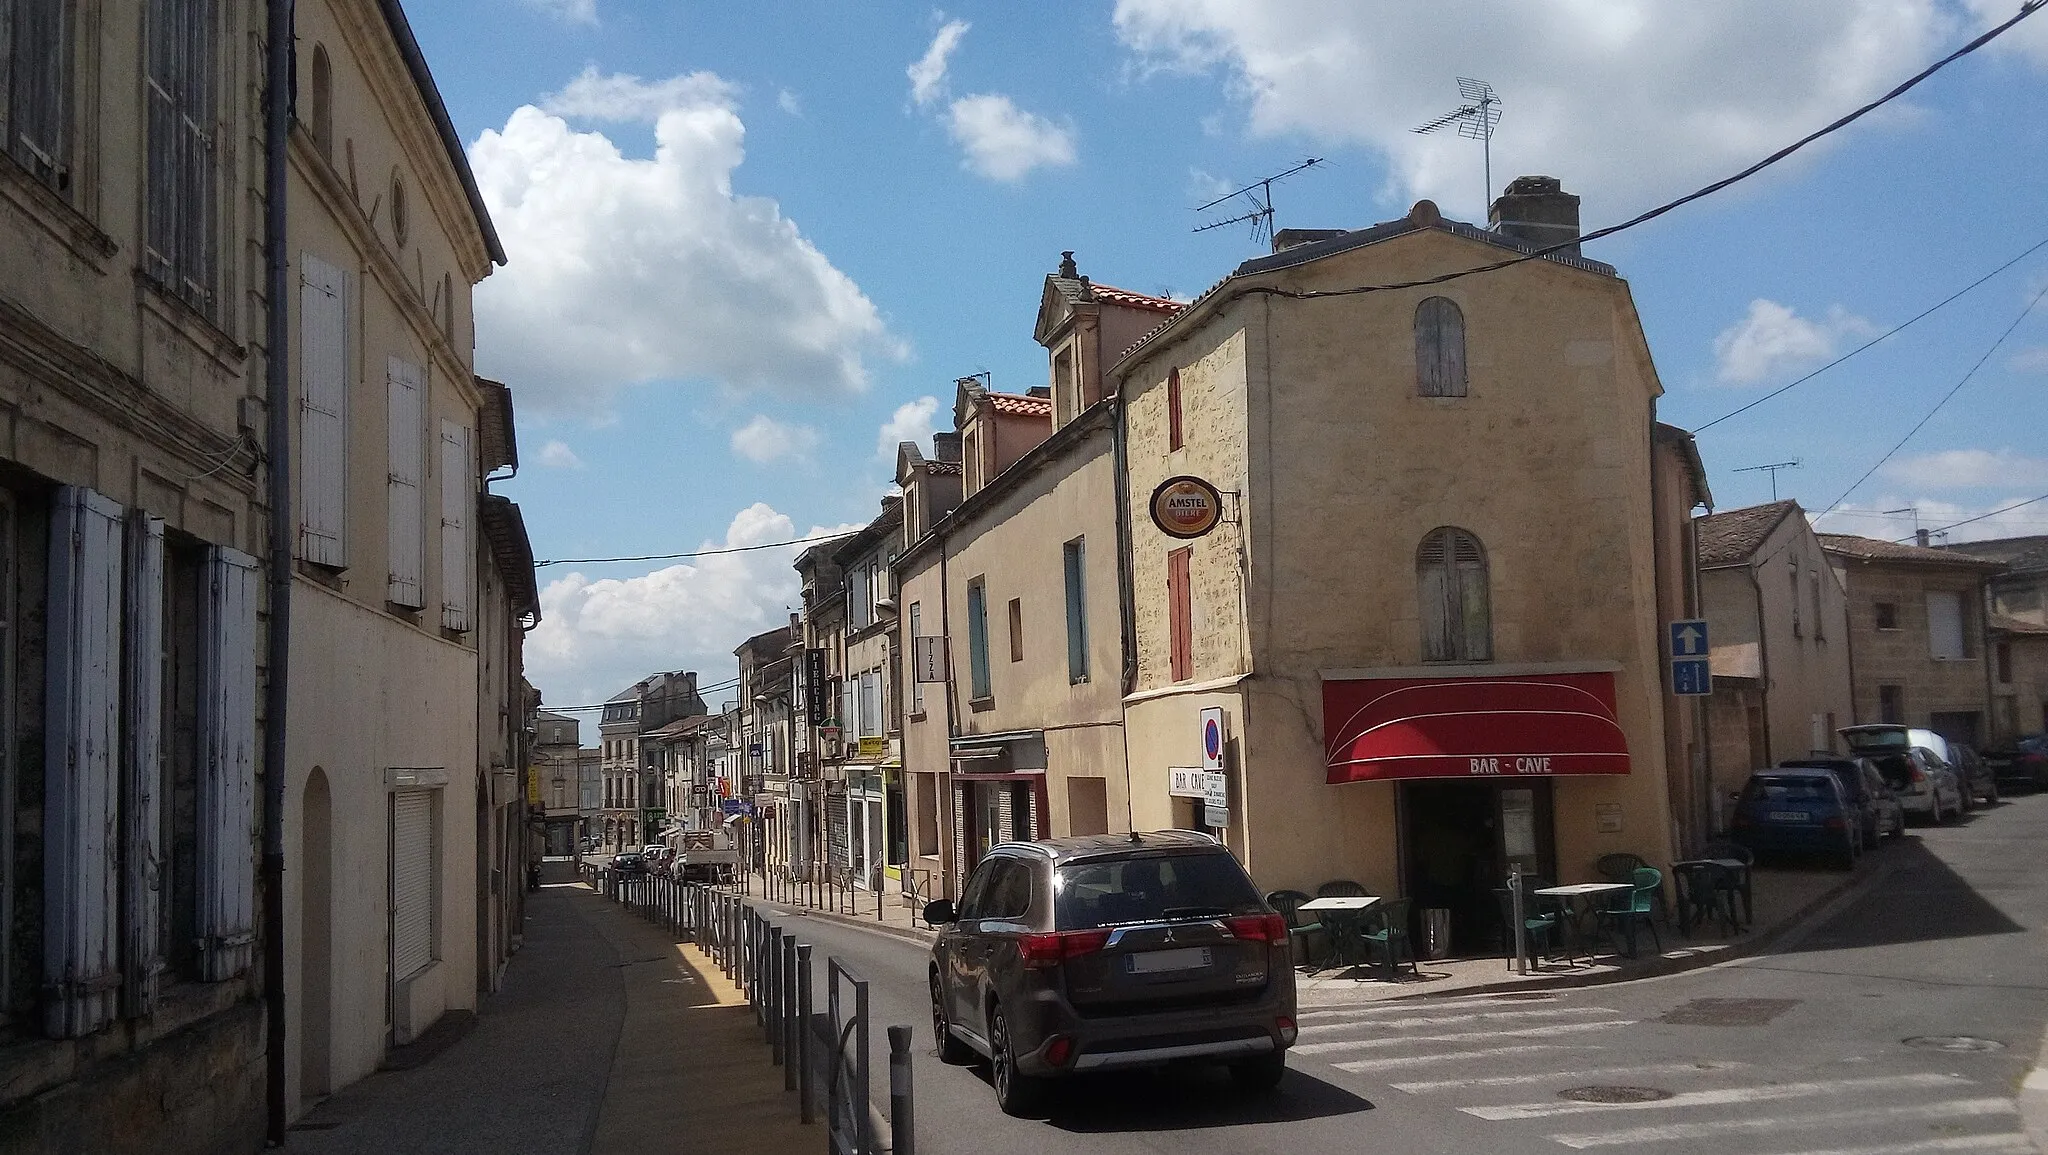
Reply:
x=691, y=553
x=1980, y=517
x=2027, y=9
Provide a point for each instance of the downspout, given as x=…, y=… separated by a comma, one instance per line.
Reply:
x=1763, y=658
x=277, y=67
x=1126, y=599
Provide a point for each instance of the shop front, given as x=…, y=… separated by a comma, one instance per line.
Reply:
x=1475, y=764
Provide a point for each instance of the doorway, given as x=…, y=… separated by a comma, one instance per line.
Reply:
x=1458, y=840
x=316, y=939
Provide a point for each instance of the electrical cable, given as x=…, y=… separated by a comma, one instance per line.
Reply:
x=695, y=552
x=1979, y=517
x=587, y=707
x=2026, y=9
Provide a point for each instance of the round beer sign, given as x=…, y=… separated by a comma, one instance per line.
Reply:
x=1186, y=507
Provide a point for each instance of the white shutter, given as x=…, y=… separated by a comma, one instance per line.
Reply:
x=227, y=765
x=412, y=881
x=81, y=969
x=457, y=554
x=323, y=412
x=406, y=384
x=142, y=772
x=1944, y=624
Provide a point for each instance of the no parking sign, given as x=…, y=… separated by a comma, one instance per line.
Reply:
x=1213, y=737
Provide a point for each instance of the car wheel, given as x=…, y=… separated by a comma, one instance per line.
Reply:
x=1260, y=1074
x=952, y=1051
x=1991, y=798
x=1016, y=1092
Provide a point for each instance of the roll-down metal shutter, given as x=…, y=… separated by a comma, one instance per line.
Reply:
x=412, y=881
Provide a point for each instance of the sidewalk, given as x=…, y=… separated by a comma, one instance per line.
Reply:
x=608, y=1037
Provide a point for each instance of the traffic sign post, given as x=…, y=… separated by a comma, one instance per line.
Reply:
x=1691, y=673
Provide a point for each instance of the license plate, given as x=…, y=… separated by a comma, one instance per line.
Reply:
x=1156, y=961
x=1788, y=816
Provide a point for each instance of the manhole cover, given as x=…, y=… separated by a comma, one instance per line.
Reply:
x=1727, y=1012
x=1954, y=1043
x=1604, y=1094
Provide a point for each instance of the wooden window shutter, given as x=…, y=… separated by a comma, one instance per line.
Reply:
x=182, y=205
x=227, y=764
x=1434, y=602
x=323, y=412
x=34, y=85
x=1174, y=431
x=81, y=861
x=1439, y=348
x=405, y=528
x=1180, y=614
x=142, y=770
x=1453, y=597
x=458, y=496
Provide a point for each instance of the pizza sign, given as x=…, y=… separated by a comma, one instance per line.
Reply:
x=1186, y=507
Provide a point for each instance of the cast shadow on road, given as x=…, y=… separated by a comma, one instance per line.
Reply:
x=1917, y=898
x=1189, y=1097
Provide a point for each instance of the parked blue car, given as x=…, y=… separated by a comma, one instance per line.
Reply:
x=1797, y=811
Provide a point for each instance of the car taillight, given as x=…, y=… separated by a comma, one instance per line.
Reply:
x=1287, y=1030
x=1058, y=1050
x=1259, y=927
x=1836, y=823
x=1047, y=950
x=1919, y=776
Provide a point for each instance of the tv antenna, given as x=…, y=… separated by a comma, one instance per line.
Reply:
x=1771, y=469
x=1260, y=194
x=1475, y=120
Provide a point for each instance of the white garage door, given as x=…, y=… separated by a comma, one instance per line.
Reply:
x=412, y=881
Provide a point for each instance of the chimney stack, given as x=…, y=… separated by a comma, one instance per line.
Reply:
x=1536, y=209
x=946, y=446
x=1921, y=538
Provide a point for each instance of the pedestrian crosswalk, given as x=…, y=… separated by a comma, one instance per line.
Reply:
x=1570, y=1074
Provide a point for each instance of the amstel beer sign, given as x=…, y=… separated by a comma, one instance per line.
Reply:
x=1186, y=507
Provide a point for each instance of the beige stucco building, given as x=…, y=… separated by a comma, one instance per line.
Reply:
x=1431, y=605
x=1916, y=634
x=1778, y=620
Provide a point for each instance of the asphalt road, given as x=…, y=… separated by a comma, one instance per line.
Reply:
x=1804, y=1049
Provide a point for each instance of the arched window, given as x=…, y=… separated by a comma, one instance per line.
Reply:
x=321, y=121
x=1452, y=586
x=1439, y=348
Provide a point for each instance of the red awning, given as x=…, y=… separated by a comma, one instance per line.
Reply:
x=1530, y=725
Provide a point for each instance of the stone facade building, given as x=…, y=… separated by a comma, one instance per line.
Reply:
x=1916, y=634
x=2016, y=622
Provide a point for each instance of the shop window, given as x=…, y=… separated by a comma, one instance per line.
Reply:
x=1439, y=348
x=1452, y=585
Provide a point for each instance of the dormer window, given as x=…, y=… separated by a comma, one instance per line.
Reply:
x=1065, y=397
x=1439, y=348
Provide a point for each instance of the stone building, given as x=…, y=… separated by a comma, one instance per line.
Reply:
x=767, y=693
x=824, y=720
x=132, y=315
x=1013, y=716
x=618, y=731
x=1778, y=621
x=2016, y=622
x=1916, y=634
x=636, y=785
x=1423, y=566
x=557, y=745
x=863, y=816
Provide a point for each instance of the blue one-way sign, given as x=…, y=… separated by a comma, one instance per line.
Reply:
x=1689, y=639
x=1691, y=676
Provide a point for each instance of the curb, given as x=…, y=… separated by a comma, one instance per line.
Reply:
x=1660, y=967
x=907, y=933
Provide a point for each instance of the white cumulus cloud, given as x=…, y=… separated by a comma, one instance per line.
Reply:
x=1893, y=518
x=571, y=11
x=1629, y=102
x=1772, y=338
x=765, y=439
x=928, y=72
x=790, y=102
x=912, y=421
x=558, y=455
x=626, y=269
x=1969, y=469
x=1004, y=142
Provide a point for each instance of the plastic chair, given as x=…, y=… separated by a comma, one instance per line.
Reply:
x=1302, y=929
x=1739, y=881
x=1636, y=908
x=1539, y=930
x=1342, y=888
x=1391, y=939
x=1704, y=894
x=1622, y=867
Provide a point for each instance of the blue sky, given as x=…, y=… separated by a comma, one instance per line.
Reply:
x=746, y=239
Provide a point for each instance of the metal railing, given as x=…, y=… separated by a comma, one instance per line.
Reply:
x=825, y=1059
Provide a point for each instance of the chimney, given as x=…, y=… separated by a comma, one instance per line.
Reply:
x=946, y=446
x=1536, y=209
x=1920, y=537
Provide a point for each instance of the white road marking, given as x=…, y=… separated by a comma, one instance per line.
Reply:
x=1448, y=1057
x=1474, y=1018
x=1406, y=1007
x=1546, y=1030
x=1953, y=1109
x=1760, y=1093
x=1549, y=1076
x=2010, y=1141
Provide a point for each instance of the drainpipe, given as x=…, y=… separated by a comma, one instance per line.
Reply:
x=1126, y=598
x=1763, y=656
x=277, y=68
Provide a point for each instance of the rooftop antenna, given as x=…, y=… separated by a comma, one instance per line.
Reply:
x=1475, y=120
x=1260, y=194
x=1912, y=511
x=1771, y=469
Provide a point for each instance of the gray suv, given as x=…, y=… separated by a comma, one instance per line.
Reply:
x=1110, y=951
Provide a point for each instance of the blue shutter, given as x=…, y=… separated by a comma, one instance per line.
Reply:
x=227, y=765
x=142, y=771
x=977, y=641
x=1077, y=611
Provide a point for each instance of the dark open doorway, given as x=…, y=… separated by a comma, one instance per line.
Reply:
x=1458, y=838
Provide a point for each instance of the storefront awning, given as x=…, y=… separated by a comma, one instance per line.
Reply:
x=1536, y=725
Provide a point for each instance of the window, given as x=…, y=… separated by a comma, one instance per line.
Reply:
x=860, y=597
x=181, y=212
x=1439, y=348
x=1452, y=587
x=1016, y=629
x=1009, y=895
x=1174, y=432
x=1891, y=704
x=1793, y=576
x=401, y=213
x=405, y=532
x=2005, y=661
x=1887, y=615
x=1065, y=403
x=323, y=412
x=414, y=857
x=458, y=499
x=1075, y=556
x=977, y=640
x=1820, y=630
x=321, y=102
x=1180, y=614
x=1945, y=640
x=34, y=48
x=871, y=703
x=916, y=683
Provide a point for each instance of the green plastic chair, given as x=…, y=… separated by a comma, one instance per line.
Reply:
x=1390, y=940
x=1539, y=928
x=1342, y=888
x=1302, y=929
x=1636, y=908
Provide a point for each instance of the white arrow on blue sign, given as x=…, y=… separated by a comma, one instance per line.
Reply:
x=1691, y=676
x=1689, y=639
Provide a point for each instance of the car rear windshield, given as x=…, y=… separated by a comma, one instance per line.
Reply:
x=1897, y=770
x=1149, y=888
x=1876, y=739
x=1789, y=790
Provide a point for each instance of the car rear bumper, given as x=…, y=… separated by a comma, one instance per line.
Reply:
x=1220, y=1030
x=1152, y=1056
x=1809, y=840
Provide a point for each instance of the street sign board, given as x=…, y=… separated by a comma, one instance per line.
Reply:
x=928, y=658
x=1691, y=677
x=1213, y=737
x=1186, y=781
x=736, y=806
x=1217, y=816
x=1689, y=639
x=1215, y=790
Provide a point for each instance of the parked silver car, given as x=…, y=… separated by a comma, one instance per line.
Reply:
x=1915, y=764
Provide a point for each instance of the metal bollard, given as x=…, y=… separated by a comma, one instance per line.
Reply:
x=772, y=968
x=803, y=1031
x=902, y=1103
x=785, y=998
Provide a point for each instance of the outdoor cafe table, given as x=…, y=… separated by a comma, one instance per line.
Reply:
x=1738, y=873
x=1346, y=914
x=1578, y=899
